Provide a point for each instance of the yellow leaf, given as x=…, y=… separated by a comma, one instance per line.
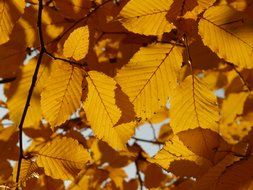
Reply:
x=149, y=78
x=29, y=169
x=61, y=96
x=10, y=11
x=62, y=158
x=175, y=150
x=202, y=5
x=89, y=179
x=193, y=105
x=233, y=106
x=232, y=43
x=77, y=44
x=146, y=17
x=235, y=132
x=102, y=112
x=18, y=91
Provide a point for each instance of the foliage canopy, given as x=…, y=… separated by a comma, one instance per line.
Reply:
x=82, y=76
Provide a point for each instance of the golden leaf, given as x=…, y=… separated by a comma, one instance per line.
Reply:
x=18, y=91
x=146, y=17
x=77, y=44
x=10, y=11
x=61, y=96
x=103, y=114
x=62, y=158
x=142, y=78
x=193, y=105
x=175, y=150
x=232, y=43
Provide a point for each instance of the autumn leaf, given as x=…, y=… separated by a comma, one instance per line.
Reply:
x=62, y=95
x=11, y=10
x=230, y=43
x=104, y=117
x=146, y=12
x=151, y=67
x=62, y=158
x=133, y=94
x=77, y=44
x=29, y=169
x=174, y=150
x=193, y=105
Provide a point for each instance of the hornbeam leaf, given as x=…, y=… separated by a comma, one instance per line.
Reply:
x=102, y=112
x=150, y=76
x=62, y=158
x=193, y=105
x=218, y=32
x=146, y=17
x=62, y=94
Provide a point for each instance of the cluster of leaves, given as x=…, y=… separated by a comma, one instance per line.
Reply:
x=81, y=75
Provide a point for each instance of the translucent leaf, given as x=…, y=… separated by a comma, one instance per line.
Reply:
x=102, y=112
x=146, y=17
x=193, y=105
x=10, y=11
x=62, y=158
x=233, y=106
x=175, y=150
x=77, y=44
x=18, y=91
x=232, y=43
x=150, y=76
x=29, y=169
x=61, y=96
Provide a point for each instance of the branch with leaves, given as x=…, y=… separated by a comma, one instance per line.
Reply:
x=79, y=77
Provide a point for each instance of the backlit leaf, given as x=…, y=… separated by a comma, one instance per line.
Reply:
x=102, y=112
x=218, y=31
x=62, y=94
x=62, y=158
x=150, y=68
x=146, y=17
x=77, y=44
x=193, y=105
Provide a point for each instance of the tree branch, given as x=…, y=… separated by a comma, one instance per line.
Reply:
x=92, y=11
x=34, y=79
x=148, y=141
x=138, y=174
x=74, y=63
x=244, y=82
x=6, y=80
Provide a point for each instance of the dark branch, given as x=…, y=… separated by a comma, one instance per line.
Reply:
x=92, y=11
x=244, y=82
x=138, y=174
x=186, y=44
x=74, y=63
x=34, y=79
x=148, y=141
x=6, y=80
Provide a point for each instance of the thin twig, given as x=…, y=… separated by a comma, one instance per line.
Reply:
x=186, y=45
x=6, y=80
x=92, y=11
x=34, y=79
x=138, y=174
x=148, y=141
x=244, y=82
x=74, y=63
